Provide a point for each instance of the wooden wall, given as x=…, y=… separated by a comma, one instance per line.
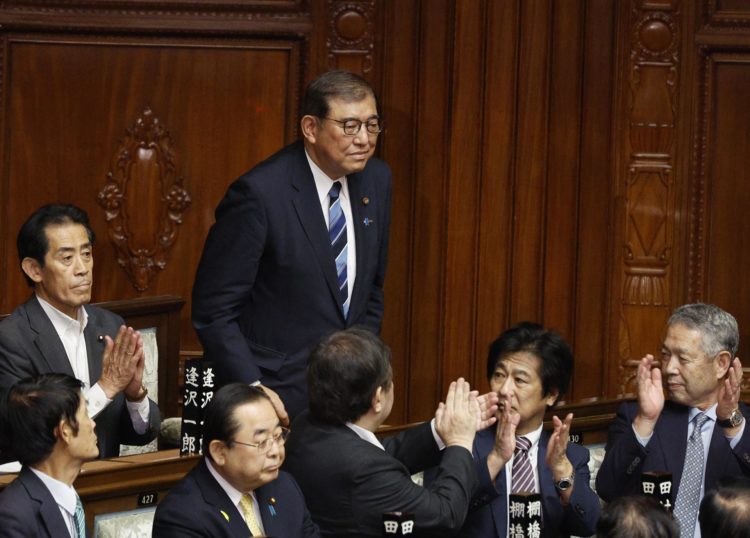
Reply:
x=580, y=163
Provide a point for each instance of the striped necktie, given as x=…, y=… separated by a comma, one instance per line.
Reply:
x=337, y=236
x=523, y=474
x=246, y=505
x=688, y=495
x=80, y=519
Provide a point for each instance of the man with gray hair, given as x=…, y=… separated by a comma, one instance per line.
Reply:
x=699, y=434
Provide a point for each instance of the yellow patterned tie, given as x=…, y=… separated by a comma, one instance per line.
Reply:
x=246, y=505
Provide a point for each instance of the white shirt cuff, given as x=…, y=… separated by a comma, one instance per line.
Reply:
x=139, y=414
x=642, y=440
x=438, y=440
x=96, y=400
x=736, y=439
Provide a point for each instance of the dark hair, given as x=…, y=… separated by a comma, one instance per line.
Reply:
x=554, y=354
x=336, y=84
x=344, y=373
x=725, y=510
x=32, y=409
x=219, y=421
x=637, y=516
x=32, y=238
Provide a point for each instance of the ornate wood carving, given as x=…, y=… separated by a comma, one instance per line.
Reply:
x=649, y=183
x=718, y=14
x=351, y=39
x=144, y=199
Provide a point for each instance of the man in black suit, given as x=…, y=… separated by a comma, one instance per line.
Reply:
x=57, y=331
x=349, y=478
x=701, y=428
x=529, y=367
x=46, y=426
x=237, y=486
x=281, y=268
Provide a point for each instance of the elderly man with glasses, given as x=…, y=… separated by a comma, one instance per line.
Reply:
x=298, y=250
x=237, y=489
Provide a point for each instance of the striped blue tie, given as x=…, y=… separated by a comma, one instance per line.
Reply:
x=80, y=519
x=523, y=473
x=337, y=235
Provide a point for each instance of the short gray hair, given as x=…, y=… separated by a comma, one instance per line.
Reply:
x=718, y=327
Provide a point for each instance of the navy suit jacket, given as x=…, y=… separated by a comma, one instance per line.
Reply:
x=30, y=346
x=626, y=460
x=266, y=289
x=27, y=508
x=488, y=517
x=198, y=506
x=350, y=483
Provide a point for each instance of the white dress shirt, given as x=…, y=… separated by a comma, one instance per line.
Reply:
x=367, y=435
x=235, y=495
x=71, y=334
x=65, y=497
x=323, y=184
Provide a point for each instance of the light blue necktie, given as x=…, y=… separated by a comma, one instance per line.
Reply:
x=688, y=496
x=337, y=236
x=80, y=519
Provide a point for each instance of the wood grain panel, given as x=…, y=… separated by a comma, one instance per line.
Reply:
x=531, y=161
x=728, y=196
x=496, y=200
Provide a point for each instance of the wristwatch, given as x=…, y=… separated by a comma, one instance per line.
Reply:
x=564, y=483
x=734, y=420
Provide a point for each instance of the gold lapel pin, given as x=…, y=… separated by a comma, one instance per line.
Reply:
x=365, y=200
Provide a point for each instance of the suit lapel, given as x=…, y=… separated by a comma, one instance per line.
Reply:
x=672, y=432
x=267, y=504
x=94, y=346
x=47, y=341
x=361, y=214
x=307, y=206
x=48, y=509
x=217, y=497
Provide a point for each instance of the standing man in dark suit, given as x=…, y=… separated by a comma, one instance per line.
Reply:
x=529, y=368
x=699, y=435
x=237, y=487
x=46, y=426
x=349, y=478
x=299, y=246
x=57, y=331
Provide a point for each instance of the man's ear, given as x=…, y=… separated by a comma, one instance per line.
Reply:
x=552, y=397
x=377, y=400
x=723, y=363
x=218, y=449
x=32, y=268
x=64, y=432
x=309, y=125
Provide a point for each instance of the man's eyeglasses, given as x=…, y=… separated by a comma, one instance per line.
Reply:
x=352, y=126
x=265, y=445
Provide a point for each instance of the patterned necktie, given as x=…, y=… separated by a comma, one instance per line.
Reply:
x=80, y=519
x=688, y=495
x=337, y=236
x=523, y=474
x=246, y=505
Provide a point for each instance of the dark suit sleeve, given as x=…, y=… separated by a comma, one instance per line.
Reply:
x=129, y=435
x=741, y=450
x=225, y=278
x=375, y=301
x=620, y=472
x=14, y=362
x=582, y=512
x=415, y=448
x=382, y=487
x=169, y=523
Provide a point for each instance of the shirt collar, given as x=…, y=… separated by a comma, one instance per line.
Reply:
x=323, y=183
x=63, y=322
x=534, y=436
x=710, y=412
x=233, y=493
x=65, y=496
x=365, y=435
